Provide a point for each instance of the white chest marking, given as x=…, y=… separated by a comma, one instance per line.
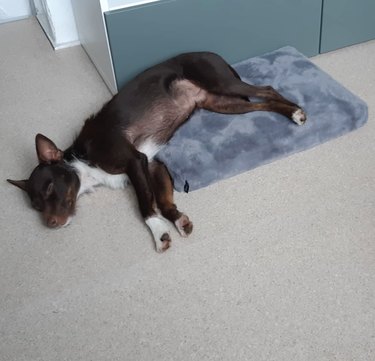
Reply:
x=150, y=148
x=91, y=177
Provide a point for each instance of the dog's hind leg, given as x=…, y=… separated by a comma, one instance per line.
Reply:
x=240, y=88
x=213, y=74
x=163, y=190
x=233, y=86
x=236, y=105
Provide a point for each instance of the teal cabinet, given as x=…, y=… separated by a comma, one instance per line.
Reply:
x=141, y=36
x=347, y=22
x=124, y=37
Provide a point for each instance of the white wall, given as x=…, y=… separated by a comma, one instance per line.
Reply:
x=14, y=10
x=57, y=19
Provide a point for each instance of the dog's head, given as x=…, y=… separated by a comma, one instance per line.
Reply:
x=53, y=185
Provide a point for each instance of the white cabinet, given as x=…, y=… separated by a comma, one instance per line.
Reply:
x=92, y=31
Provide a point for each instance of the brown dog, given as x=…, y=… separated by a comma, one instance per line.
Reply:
x=121, y=140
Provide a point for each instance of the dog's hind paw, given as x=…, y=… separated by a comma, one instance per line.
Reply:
x=184, y=225
x=299, y=117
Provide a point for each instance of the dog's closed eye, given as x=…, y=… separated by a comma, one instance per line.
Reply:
x=49, y=190
x=36, y=204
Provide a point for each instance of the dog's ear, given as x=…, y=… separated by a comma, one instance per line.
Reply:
x=19, y=183
x=46, y=150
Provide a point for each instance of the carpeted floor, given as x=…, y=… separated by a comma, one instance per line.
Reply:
x=280, y=266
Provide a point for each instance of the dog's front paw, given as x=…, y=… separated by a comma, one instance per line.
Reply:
x=184, y=225
x=160, y=232
x=164, y=244
x=299, y=117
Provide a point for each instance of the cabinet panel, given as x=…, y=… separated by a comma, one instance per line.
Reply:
x=142, y=36
x=347, y=22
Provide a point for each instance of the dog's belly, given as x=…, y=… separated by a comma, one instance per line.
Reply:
x=165, y=114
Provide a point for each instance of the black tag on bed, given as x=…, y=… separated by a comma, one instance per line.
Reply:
x=186, y=187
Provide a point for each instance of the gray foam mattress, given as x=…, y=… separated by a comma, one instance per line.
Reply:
x=210, y=146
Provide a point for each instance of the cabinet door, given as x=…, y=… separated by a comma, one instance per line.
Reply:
x=347, y=22
x=238, y=29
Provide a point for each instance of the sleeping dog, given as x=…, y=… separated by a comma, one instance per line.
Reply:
x=121, y=140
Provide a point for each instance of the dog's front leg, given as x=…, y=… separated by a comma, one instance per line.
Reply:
x=139, y=176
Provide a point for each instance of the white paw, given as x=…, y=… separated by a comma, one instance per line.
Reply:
x=160, y=232
x=299, y=117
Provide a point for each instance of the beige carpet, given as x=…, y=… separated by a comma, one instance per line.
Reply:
x=280, y=266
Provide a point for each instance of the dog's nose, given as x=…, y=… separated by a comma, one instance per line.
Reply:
x=52, y=222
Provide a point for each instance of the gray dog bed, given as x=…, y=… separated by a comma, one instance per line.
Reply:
x=211, y=146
